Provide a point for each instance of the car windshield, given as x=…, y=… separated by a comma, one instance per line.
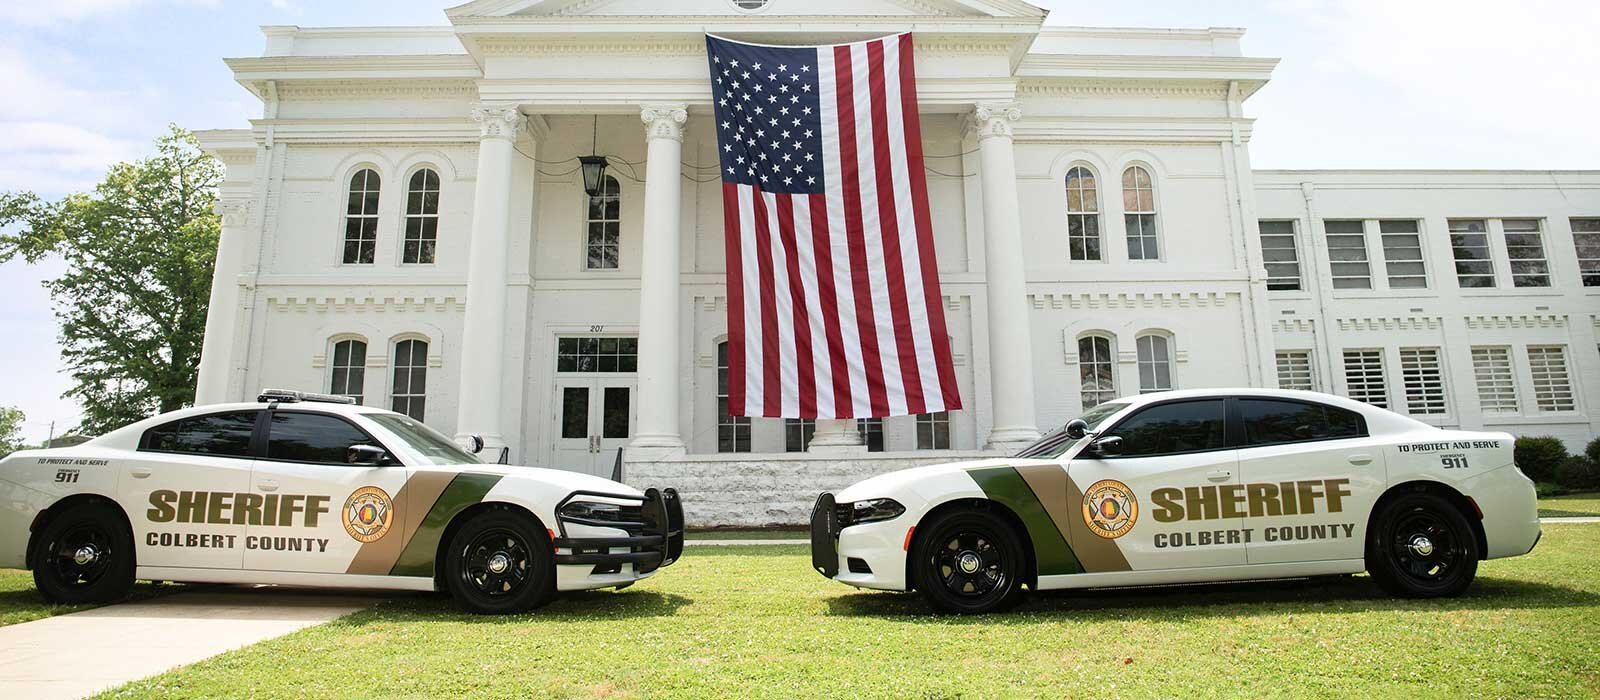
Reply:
x=1056, y=443
x=436, y=449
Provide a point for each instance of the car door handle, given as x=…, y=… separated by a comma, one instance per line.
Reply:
x=140, y=473
x=1361, y=459
x=268, y=485
x=1219, y=475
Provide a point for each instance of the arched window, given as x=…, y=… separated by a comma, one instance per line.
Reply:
x=1083, y=215
x=1097, y=375
x=410, y=394
x=349, y=376
x=361, y=218
x=733, y=432
x=605, y=226
x=422, y=218
x=1155, y=363
x=1139, y=213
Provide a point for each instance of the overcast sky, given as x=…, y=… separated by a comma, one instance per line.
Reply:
x=1363, y=84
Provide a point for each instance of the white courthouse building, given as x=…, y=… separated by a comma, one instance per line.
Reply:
x=407, y=222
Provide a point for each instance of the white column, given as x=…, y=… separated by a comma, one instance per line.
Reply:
x=216, y=355
x=483, y=332
x=1010, y=347
x=660, y=382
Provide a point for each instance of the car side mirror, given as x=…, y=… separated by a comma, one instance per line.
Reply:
x=1109, y=446
x=367, y=456
x=1078, y=429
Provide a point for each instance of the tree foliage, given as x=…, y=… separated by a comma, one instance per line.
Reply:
x=10, y=430
x=139, y=251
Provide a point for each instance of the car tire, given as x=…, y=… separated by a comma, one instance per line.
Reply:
x=1421, y=545
x=84, y=555
x=968, y=562
x=499, y=563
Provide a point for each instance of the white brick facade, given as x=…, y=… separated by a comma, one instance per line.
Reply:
x=501, y=103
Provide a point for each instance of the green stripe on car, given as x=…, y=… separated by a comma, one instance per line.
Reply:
x=1005, y=486
x=464, y=491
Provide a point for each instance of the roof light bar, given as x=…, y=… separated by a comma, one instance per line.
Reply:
x=287, y=396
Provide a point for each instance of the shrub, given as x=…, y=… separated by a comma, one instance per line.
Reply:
x=1540, y=457
x=1546, y=489
x=1593, y=451
x=1578, y=473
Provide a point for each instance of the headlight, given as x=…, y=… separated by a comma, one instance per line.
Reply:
x=589, y=510
x=874, y=510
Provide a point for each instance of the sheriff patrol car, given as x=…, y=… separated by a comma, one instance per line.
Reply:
x=1189, y=487
x=301, y=489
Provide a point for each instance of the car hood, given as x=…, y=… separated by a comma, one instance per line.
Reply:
x=571, y=481
x=886, y=485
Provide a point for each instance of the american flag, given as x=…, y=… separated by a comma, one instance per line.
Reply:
x=834, y=309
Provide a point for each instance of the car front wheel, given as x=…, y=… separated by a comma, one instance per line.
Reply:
x=1422, y=546
x=500, y=563
x=968, y=562
x=84, y=555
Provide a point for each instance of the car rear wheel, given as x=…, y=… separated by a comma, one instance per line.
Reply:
x=968, y=562
x=84, y=555
x=1422, y=546
x=500, y=562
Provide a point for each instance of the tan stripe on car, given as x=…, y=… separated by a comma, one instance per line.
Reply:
x=415, y=499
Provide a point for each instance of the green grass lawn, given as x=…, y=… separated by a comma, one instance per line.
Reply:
x=20, y=601
x=748, y=534
x=756, y=622
x=1585, y=505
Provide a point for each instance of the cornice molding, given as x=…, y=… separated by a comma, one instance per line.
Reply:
x=1138, y=300
x=367, y=303
x=355, y=89
x=1392, y=323
x=1129, y=88
x=1517, y=321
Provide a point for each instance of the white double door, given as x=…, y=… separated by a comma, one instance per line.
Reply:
x=594, y=418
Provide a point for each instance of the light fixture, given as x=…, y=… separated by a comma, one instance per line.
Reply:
x=594, y=165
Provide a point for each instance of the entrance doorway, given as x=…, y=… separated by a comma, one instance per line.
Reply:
x=594, y=410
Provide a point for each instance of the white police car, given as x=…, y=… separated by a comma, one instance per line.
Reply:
x=1187, y=487
x=301, y=489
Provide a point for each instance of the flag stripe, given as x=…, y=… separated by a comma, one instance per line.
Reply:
x=934, y=300
x=772, y=401
x=832, y=312
x=805, y=403
x=889, y=223
x=855, y=236
x=751, y=357
x=735, y=261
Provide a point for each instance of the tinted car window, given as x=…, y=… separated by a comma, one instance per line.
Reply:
x=1174, y=428
x=1270, y=422
x=312, y=438
x=221, y=434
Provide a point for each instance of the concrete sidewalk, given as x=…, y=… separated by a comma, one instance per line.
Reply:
x=71, y=656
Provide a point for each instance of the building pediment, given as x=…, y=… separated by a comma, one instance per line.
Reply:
x=734, y=8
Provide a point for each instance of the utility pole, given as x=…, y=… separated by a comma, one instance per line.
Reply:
x=52, y=437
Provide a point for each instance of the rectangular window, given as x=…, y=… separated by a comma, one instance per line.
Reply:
x=933, y=431
x=797, y=434
x=1402, y=254
x=1347, y=254
x=1586, y=241
x=871, y=433
x=605, y=355
x=1469, y=242
x=1552, y=385
x=1294, y=370
x=1424, y=381
x=1281, y=254
x=1363, y=377
x=1525, y=249
x=1497, y=383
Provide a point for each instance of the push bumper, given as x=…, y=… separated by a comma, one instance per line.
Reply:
x=864, y=555
x=653, y=540
x=825, y=536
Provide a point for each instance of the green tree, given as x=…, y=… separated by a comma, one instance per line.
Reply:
x=132, y=303
x=10, y=430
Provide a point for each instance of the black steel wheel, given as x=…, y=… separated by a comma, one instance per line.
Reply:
x=84, y=555
x=1422, y=546
x=968, y=562
x=500, y=562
